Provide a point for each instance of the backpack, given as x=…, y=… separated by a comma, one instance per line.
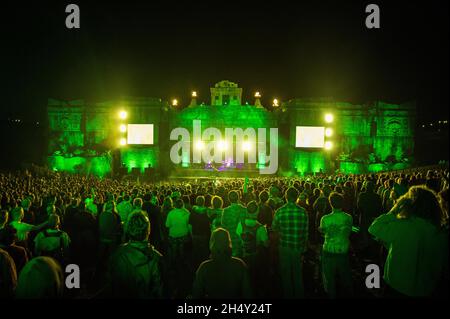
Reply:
x=248, y=238
x=149, y=267
x=57, y=253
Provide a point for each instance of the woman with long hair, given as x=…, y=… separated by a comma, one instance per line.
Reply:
x=413, y=232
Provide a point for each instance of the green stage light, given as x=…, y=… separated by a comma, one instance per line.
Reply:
x=123, y=128
x=123, y=115
x=328, y=132
x=328, y=145
x=123, y=142
x=329, y=117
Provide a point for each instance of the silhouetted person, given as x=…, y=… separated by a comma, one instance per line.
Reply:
x=41, y=278
x=233, y=281
x=135, y=269
x=370, y=207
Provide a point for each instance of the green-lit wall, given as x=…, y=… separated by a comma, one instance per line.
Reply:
x=309, y=161
x=80, y=134
x=366, y=138
x=140, y=158
x=242, y=116
x=99, y=166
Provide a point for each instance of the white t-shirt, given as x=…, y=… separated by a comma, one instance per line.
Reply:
x=178, y=222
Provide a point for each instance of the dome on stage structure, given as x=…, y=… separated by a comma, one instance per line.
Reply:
x=226, y=93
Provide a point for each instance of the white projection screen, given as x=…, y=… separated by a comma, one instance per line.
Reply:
x=141, y=134
x=310, y=136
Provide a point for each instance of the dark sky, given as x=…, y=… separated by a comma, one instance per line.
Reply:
x=145, y=48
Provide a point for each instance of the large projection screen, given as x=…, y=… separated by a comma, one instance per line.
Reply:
x=310, y=136
x=141, y=134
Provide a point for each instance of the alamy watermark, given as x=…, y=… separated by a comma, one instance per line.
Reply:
x=373, y=19
x=209, y=146
x=73, y=276
x=73, y=19
x=373, y=278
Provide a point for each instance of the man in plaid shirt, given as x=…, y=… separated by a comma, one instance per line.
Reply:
x=291, y=222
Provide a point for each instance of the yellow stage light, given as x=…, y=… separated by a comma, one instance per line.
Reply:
x=123, y=115
x=199, y=145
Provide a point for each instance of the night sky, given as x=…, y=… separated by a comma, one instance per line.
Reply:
x=283, y=50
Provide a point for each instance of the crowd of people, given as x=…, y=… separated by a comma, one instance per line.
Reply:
x=277, y=237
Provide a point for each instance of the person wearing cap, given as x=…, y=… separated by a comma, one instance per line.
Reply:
x=222, y=276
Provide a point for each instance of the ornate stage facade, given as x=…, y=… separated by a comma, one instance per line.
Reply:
x=91, y=138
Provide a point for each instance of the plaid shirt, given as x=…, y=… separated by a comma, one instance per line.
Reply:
x=291, y=222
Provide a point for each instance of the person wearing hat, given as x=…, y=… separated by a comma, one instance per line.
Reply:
x=233, y=281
